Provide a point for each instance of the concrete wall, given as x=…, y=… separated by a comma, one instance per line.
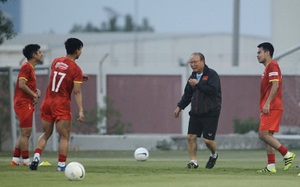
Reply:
x=285, y=27
x=171, y=142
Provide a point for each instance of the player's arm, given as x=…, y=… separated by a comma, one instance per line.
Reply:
x=26, y=89
x=274, y=88
x=78, y=100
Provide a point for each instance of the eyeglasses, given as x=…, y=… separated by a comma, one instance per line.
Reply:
x=194, y=62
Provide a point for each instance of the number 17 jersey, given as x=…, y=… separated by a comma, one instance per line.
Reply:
x=64, y=73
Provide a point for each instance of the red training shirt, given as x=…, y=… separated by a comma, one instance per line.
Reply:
x=26, y=73
x=64, y=73
x=272, y=73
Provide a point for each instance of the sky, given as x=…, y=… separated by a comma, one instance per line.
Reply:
x=165, y=16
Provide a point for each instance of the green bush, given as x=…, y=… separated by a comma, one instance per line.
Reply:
x=163, y=145
x=244, y=126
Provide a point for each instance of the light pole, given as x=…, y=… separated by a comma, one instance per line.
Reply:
x=236, y=33
x=136, y=39
x=101, y=72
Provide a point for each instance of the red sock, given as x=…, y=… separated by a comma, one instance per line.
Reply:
x=62, y=158
x=283, y=150
x=17, y=152
x=38, y=150
x=25, y=154
x=271, y=158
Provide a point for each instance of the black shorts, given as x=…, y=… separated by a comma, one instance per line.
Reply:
x=205, y=124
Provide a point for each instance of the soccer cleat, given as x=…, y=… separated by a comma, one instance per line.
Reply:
x=61, y=168
x=34, y=164
x=211, y=162
x=288, y=161
x=266, y=170
x=13, y=163
x=192, y=165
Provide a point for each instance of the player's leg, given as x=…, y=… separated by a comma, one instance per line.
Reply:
x=41, y=143
x=16, y=154
x=47, y=123
x=271, y=167
x=43, y=139
x=212, y=146
x=26, y=119
x=24, y=144
x=268, y=125
x=63, y=128
x=25, y=116
x=192, y=149
x=210, y=125
x=193, y=131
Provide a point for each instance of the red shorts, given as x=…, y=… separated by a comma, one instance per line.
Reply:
x=52, y=111
x=24, y=112
x=271, y=121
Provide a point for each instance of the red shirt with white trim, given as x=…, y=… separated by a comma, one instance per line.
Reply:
x=64, y=73
x=26, y=73
x=271, y=74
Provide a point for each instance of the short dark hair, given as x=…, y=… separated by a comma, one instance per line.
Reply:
x=200, y=55
x=30, y=49
x=72, y=44
x=267, y=47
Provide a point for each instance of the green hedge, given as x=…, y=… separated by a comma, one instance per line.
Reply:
x=244, y=126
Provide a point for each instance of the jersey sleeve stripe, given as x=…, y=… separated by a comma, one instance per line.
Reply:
x=23, y=78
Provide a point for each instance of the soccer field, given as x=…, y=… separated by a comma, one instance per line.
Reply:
x=163, y=169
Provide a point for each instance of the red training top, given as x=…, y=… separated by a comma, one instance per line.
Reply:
x=26, y=73
x=64, y=73
x=272, y=73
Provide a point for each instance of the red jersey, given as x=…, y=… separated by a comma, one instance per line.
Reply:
x=64, y=73
x=272, y=73
x=26, y=73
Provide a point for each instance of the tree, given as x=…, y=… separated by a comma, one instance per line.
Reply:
x=6, y=27
x=112, y=26
x=145, y=26
x=129, y=25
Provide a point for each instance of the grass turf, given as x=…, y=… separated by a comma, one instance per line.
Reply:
x=163, y=169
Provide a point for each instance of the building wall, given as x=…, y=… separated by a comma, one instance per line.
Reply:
x=148, y=102
x=285, y=27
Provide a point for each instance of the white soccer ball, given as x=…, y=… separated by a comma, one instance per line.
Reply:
x=75, y=171
x=141, y=154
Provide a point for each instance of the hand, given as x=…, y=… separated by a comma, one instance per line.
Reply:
x=85, y=77
x=266, y=109
x=193, y=82
x=38, y=92
x=36, y=97
x=80, y=116
x=177, y=112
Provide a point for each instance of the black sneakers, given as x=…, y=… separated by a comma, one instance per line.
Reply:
x=34, y=164
x=211, y=162
x=192, y=165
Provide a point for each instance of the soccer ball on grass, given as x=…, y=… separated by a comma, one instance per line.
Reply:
x=75, y=171
x=141, y=154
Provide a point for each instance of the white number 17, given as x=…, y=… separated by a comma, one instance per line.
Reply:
x=55, y=86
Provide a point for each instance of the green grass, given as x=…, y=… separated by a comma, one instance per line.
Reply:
x=163, y=169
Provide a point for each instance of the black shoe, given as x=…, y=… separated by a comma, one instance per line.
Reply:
x=211, y=162
x=192, y=165
x=34, y=164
